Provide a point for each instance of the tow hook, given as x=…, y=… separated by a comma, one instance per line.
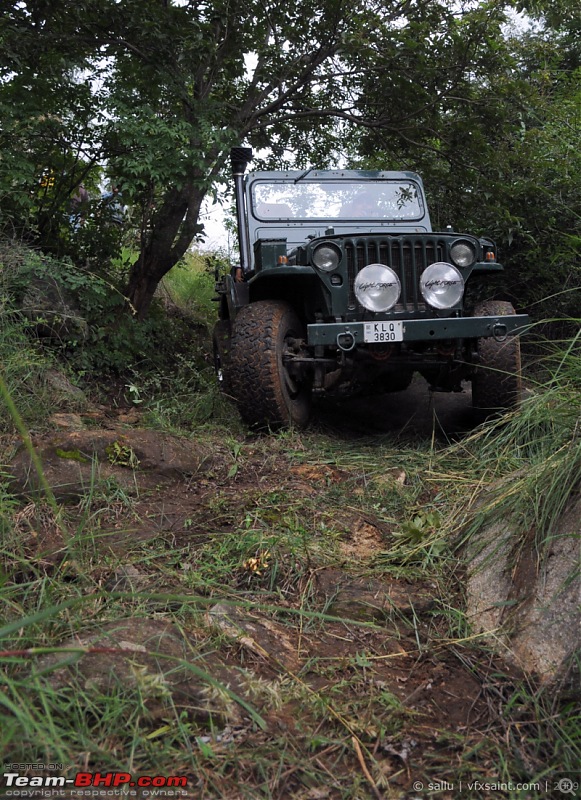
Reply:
x=345, y=341
x=499, y=331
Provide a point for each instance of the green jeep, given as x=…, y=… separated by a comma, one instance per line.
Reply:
x=343, y=287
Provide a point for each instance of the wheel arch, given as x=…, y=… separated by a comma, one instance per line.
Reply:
x=304, y=293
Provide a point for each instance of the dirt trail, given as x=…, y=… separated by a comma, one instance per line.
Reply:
x=353, y=666
x=415, y=413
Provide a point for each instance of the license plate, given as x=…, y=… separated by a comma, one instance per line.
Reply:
x=377, y=332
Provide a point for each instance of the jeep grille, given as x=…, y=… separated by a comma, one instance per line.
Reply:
x=407, y=256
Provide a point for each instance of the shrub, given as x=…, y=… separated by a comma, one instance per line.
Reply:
x=83, y=316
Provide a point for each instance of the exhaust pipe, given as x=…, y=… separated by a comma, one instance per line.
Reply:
x=240, y=157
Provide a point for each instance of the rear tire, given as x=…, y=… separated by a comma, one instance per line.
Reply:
x=267, y=393
x=497, y=383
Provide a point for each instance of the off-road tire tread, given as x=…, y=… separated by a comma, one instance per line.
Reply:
x=257, y=336
x=497, y=383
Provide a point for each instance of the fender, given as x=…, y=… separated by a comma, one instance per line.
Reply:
x=237, y=295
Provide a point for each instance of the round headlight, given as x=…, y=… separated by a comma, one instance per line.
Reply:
x=442, y=285
x=326, y=257
x=377, y=287
x=463, y=254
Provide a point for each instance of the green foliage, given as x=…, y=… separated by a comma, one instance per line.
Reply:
x=81, y=316
x=49, y=147
x=421, y=526
x=190, y=285
x=122, y=455
x=501, y=157
x=69, y=306
x=162, y=364
x=534, y=456
x=24, y=363
x=24, y=367
x=185, y=396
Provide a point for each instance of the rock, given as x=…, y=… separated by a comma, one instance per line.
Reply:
x=73, y=460
x=530, y=610
x=489, y=581
x=127, y=579
x=64, y=390
x=368, y=598
x=256, y=632
x=149, y=656
x=67, y=422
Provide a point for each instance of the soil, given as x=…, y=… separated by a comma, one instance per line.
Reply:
x=381, y=637
x=416, y=413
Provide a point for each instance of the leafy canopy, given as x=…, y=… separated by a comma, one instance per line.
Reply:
x=155, y=92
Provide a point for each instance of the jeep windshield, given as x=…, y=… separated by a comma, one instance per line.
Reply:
x=310, y=200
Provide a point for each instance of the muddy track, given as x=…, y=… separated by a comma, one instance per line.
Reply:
x=416, y=413
x=278, y=568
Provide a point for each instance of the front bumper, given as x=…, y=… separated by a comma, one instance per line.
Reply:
x=424, y=330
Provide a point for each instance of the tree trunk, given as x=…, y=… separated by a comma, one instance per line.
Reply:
x=172, y=231
x=141, y=290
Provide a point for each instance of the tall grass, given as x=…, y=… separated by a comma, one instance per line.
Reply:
x=190, y=286
x=24, y=366
x=533, y=456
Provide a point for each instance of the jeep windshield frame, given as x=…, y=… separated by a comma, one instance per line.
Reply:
x=384, y=200
x=297, y=229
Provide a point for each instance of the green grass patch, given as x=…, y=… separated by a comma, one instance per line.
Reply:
x=190, y=285
x=532, y=458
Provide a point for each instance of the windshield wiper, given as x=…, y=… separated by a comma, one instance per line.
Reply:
x=304, y=174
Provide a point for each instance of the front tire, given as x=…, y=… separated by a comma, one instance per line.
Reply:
x=267, y=391
x=497, y=383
